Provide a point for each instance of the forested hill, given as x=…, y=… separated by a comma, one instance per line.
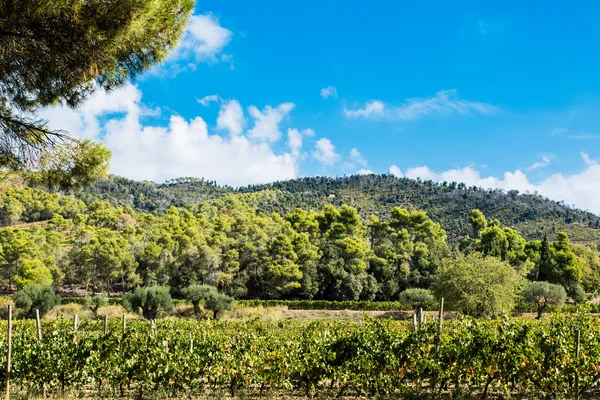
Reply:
x=449, y=204
x=220, y=237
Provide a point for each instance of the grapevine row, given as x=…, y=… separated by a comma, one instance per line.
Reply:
x=513, y=357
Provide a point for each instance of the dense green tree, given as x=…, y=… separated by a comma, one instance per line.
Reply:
x=33, y=272
x=21, y=258
x=477, y=285
x=106, y=258
x=567, y=269
x=420, y=241
x=545, y=261
x=478, y=223
x=589, y=258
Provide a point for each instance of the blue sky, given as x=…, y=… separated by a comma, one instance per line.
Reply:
x=499, y=94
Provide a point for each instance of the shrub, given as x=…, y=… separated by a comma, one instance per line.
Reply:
x=150, y=299
x=417, y=298
x=33, y=297
x=93, y=303
x=213, y=300
x=543, y=294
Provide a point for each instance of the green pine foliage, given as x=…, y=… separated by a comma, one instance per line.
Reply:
x=60, y=52
x=236, y=242
x=449, y=204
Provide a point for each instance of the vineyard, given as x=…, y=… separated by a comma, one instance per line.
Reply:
x=474, y=357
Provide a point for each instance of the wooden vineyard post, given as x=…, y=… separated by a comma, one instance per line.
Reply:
x=577, y=351
x=124, y=322
x=105, y=324
x=191, y=343
x=38, y=324
x=438, y=338
x=9, y=351
x=414, y=322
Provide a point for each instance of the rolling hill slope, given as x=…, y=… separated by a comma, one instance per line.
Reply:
x=448, y=203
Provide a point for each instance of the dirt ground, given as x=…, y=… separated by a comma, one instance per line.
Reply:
x=311, y=315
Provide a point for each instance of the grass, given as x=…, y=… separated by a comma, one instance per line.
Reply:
x=69, y=310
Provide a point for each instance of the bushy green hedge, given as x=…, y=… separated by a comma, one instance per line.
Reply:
x=327, y=305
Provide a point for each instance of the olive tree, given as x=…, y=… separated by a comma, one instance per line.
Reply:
x=197, y=294
x=150, y=300
x=477, y=285
x=543, y=294
x=213, y=300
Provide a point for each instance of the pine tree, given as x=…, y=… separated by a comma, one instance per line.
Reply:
x=60, y=51
x=546, y=263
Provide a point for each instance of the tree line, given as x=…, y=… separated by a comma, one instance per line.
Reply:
x=330, y=254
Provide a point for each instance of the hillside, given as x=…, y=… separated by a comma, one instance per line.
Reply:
x=287, y=240
x=449, y=204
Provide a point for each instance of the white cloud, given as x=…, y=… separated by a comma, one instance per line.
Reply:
x=581, y=189
x=364, y=171
x=394, y=170
x=266, y=123
x=206, y=100
x=445, y=103
x=372, y=108
x=182, y=148
x=204, y=40
x=544, y=162
x=329, y=91
x=325, y=152
x=84, y=122
x=587, y=159
x=357, y=158
x=295, y=139
x=231, y=117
